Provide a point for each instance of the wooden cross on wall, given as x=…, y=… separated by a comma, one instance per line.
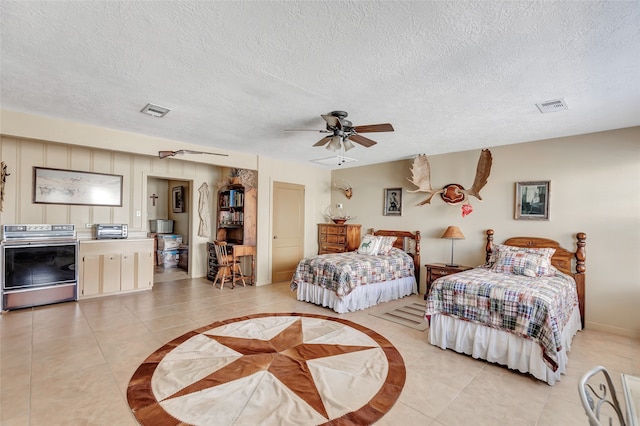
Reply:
x=154, y=197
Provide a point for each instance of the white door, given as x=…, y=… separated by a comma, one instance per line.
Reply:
x=288, y=230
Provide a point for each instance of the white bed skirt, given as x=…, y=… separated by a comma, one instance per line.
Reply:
x=501, y=347
x=362, y=297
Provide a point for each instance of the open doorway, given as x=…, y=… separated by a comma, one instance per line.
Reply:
x=168, y=222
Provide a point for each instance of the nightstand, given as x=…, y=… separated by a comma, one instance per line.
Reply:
x=437, y=270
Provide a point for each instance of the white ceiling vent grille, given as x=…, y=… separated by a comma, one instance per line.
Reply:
x=155, y=110
x=334, y=161
x=552, y=106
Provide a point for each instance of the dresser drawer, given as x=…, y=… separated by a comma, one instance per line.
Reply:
x=437, y=273
x=329, y=248
x=333, y=239
x=332, y=230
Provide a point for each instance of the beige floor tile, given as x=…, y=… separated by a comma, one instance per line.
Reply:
x=561, y=412
x=71, y=363
x=426, y=395
x=402, y=414
x=14, y=400
x=446, y=366
x=88, y=396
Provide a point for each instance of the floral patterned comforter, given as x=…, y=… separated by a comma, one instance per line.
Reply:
x=343, y=272
x=535, y=308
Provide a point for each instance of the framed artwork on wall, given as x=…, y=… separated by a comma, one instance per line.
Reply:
x=57, y=186
x=392, y=202
x=177, y=199
x=532, y=200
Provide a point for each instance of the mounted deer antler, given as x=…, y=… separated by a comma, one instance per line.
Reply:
x=452, y=193
x=348, y=191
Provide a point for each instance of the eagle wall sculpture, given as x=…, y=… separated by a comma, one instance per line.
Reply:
x=452, y=193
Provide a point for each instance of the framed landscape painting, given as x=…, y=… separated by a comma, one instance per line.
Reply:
x=57, y=186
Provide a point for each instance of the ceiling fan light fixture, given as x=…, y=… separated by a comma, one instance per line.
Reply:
x=334, y=145
x=348, y=145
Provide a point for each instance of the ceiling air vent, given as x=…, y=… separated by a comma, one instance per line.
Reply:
x=552, y=106
x=155, y=110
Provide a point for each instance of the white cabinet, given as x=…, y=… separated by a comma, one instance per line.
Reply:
x=115, y=266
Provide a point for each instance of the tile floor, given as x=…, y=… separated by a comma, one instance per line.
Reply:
x=70, y=364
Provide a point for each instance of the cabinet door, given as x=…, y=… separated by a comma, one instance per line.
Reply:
x=144, y=269
x=110, y=266
x=127, y=272
x=90, y=275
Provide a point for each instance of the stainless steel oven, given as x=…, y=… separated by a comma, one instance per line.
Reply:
x=38, y=265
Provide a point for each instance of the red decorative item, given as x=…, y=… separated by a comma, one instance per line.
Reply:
x=466, y=209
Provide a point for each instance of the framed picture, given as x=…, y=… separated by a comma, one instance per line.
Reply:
x=177, y=198
x=393, y=202
x=57, y=186
x=532, y=200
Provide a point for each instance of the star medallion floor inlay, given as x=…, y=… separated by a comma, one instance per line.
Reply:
x=269, y=369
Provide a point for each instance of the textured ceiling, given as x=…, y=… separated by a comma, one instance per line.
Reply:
x=449, y=76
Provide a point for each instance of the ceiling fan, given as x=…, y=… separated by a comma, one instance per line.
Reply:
x=165, y=154
x=343, y=132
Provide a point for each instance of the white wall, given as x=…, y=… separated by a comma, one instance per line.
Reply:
x=595, y=188
x=159, y=188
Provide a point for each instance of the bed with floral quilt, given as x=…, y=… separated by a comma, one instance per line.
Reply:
x=385, y=267
x=520, y=310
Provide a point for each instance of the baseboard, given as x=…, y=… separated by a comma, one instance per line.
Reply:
x=634, y=334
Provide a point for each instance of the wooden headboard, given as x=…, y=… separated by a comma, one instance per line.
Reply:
x=562, y=258
x=407, y=241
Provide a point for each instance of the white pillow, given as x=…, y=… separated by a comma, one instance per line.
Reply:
x=385, y=245
x=369, y=245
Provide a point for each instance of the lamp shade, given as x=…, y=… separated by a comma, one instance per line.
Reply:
x=453, y=233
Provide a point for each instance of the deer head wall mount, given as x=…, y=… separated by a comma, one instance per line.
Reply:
x=345, y=188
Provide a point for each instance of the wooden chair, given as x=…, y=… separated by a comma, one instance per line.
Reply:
x=228, y=270
x=601, y=403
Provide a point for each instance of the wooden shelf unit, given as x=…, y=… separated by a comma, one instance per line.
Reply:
x=236, y=219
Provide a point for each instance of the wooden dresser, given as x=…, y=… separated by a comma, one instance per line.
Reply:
x=334, y=238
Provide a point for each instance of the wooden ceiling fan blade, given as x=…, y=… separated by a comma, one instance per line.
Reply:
x=369, y=128
x=366, y=142
x=323, y=141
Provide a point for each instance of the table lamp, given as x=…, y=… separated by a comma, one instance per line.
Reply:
x=453, y=233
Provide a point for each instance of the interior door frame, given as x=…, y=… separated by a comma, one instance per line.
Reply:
x=190, y=184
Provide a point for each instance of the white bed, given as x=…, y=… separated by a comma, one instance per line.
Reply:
x=504, y=347
x=362, y=295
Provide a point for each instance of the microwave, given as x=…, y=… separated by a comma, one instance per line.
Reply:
x=111, y=231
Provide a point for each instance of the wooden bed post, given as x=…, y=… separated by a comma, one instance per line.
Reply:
x=489, y=247
x=416, y=259
x=581, y=268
